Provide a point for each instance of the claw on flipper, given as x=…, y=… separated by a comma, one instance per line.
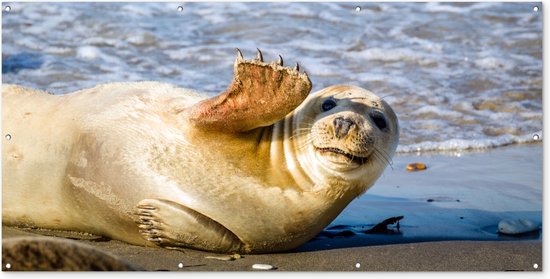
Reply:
x=259, y=56
x=259, y=95
x=148, y=207
x=239, y=55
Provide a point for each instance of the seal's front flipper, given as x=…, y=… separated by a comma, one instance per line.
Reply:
x=169, y=224
x=260, y=95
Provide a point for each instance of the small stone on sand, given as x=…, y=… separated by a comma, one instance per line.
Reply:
x=416, y=167
x=519, y=226
x=263, y=266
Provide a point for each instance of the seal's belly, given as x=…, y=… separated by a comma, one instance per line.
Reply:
x=34, y=158
x=55, y=138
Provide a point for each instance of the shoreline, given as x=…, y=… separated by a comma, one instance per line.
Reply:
x=461, y=196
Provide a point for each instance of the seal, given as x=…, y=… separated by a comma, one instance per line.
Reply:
x=262, y=167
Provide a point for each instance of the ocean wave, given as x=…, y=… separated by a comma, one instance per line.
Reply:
x=470, y=144
x=458, y=75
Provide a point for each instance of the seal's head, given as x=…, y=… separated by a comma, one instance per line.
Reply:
x=348, y=132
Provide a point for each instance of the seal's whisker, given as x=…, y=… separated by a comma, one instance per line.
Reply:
x=306, y=143
x=387, y=156
x=376, y=156
x=383, y=157
x=303, y=128
x=300, y=132
x=306, y=125
x=309, y=121
x=384, y=154
x=308, y=117
x=386, y=160
x=296, y=136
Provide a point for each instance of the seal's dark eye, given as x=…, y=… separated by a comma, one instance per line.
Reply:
x=328, y=105
x=379, y=120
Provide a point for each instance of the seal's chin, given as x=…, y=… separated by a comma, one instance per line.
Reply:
x=341, y=157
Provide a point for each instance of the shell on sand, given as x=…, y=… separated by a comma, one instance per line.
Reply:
x=519, y=226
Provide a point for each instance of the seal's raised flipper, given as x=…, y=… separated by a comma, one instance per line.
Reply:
x=169, y=224
x=260, y=95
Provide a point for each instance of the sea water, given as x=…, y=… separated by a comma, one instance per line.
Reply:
x=458, y=75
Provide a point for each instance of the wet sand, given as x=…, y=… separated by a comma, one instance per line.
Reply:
x=460, y=196
x=451, y=212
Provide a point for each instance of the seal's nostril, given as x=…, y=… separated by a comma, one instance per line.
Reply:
x=342, y=126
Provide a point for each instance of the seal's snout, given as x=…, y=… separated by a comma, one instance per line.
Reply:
x=342, y=126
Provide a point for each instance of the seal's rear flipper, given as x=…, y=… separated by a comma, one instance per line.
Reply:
x=171, y=225
x=260, y=95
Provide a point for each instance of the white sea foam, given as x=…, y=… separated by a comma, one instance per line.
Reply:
x=438, y=7
x=437, y=111
x=88, y=52
x=59, y=50
x=177, y=54
x=452, y=87
x=103, y=42
x=493, y=63
x=387, y=55
x=141, y=39
x=138, y=10
x=467, y=144
x=446, y=7
x=30, y=43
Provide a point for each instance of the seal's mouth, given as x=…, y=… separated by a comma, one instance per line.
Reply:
x=354, y=158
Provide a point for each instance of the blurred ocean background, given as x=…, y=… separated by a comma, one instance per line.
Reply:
x=458, y=75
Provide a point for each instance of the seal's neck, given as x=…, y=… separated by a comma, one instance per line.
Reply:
x=285, y=155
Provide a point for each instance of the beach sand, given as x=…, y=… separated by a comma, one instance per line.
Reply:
x=427, y=256
x=451, y=212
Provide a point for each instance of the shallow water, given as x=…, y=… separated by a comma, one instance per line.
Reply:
x=462, y=75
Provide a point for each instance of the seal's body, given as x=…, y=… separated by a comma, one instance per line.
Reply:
x=256, y=169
